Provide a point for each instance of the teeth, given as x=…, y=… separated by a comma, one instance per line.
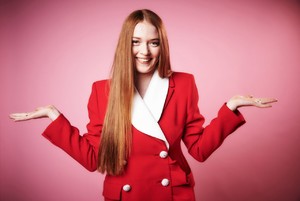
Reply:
x=144, y=60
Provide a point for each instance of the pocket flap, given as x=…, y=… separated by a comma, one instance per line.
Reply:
x=112, y=190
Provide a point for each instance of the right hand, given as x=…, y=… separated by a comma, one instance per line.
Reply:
x=241, y=101
x=48, y=111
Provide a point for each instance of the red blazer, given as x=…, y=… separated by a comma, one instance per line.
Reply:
x=152, y=171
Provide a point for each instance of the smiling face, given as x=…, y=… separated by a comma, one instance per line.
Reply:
x=145, y=47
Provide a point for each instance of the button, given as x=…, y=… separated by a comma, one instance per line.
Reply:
x=163, y=154
x=165, y=182
x=127, y=187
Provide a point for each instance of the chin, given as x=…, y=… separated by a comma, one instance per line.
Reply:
x=145, y=70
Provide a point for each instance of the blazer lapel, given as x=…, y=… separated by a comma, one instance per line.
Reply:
x=156, y=95
x=147, y=112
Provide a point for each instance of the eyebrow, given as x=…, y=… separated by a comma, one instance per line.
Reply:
x=140, y=38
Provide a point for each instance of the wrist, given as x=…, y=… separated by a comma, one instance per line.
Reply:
x=231, y=105
x=53, y=113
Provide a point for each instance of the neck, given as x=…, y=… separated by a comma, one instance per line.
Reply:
x=142, y=82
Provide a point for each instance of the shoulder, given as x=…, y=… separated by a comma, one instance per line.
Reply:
x=101, y=82
x=101, y=86
x=182, y=78
x=185, y=85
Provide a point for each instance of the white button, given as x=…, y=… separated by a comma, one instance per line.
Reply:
x=127, y=187
x=163, y=154
x=165, y=182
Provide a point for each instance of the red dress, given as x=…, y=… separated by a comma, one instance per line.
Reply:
x=153, y=170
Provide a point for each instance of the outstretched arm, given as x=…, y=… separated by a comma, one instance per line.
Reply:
x=60, y=132
x=42, y=112
x=203, y=141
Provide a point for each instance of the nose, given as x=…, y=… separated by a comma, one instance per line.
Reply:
x=144, y=49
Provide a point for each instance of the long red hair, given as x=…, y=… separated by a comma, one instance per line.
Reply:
x=116, y=137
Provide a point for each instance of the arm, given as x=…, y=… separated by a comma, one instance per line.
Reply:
x=202, y=142
x=60, y=132
x=83, y=149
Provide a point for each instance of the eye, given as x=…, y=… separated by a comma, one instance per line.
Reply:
x=154, y=43
x=135, y=42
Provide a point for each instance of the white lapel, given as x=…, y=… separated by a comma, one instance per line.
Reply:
x=147, y=112
x=156, y=95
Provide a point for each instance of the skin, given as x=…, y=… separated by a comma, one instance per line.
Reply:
x=146, y=51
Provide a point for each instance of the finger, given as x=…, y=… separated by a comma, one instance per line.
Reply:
x=20, y=116
x=263, y=105
x=265, y=100
x=269, y=100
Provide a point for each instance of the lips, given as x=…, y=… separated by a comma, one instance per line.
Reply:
x=143, y=60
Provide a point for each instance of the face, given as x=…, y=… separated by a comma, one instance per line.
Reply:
x=145, y=47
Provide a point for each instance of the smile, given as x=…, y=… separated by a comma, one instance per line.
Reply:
x=144, y=60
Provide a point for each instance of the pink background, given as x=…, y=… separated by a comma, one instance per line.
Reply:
x=51, y=52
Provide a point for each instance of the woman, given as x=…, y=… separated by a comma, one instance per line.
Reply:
x=138, y=118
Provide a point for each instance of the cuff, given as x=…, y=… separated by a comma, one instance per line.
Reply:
x=53, y=129
x=231, y=116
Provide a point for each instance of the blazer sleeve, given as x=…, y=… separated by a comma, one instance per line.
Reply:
x=83, y=149
x=202, y=142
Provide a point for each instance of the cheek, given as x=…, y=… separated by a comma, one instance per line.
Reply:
x=156, y=52
x=134, y=50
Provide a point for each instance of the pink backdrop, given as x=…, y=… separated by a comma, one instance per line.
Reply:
x=50, y=53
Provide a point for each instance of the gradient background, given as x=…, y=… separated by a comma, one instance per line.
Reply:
x=52, y=51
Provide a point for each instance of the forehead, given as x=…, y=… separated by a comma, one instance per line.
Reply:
x=145, y=30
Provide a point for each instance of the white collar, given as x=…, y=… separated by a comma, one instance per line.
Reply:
x=147, y=112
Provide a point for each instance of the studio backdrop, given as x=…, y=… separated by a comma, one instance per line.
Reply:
x=52, y=51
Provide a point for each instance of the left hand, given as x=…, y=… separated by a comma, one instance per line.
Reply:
x=49, y=111
x=240, y=101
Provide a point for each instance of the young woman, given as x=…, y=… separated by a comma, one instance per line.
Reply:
x=139, y=117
